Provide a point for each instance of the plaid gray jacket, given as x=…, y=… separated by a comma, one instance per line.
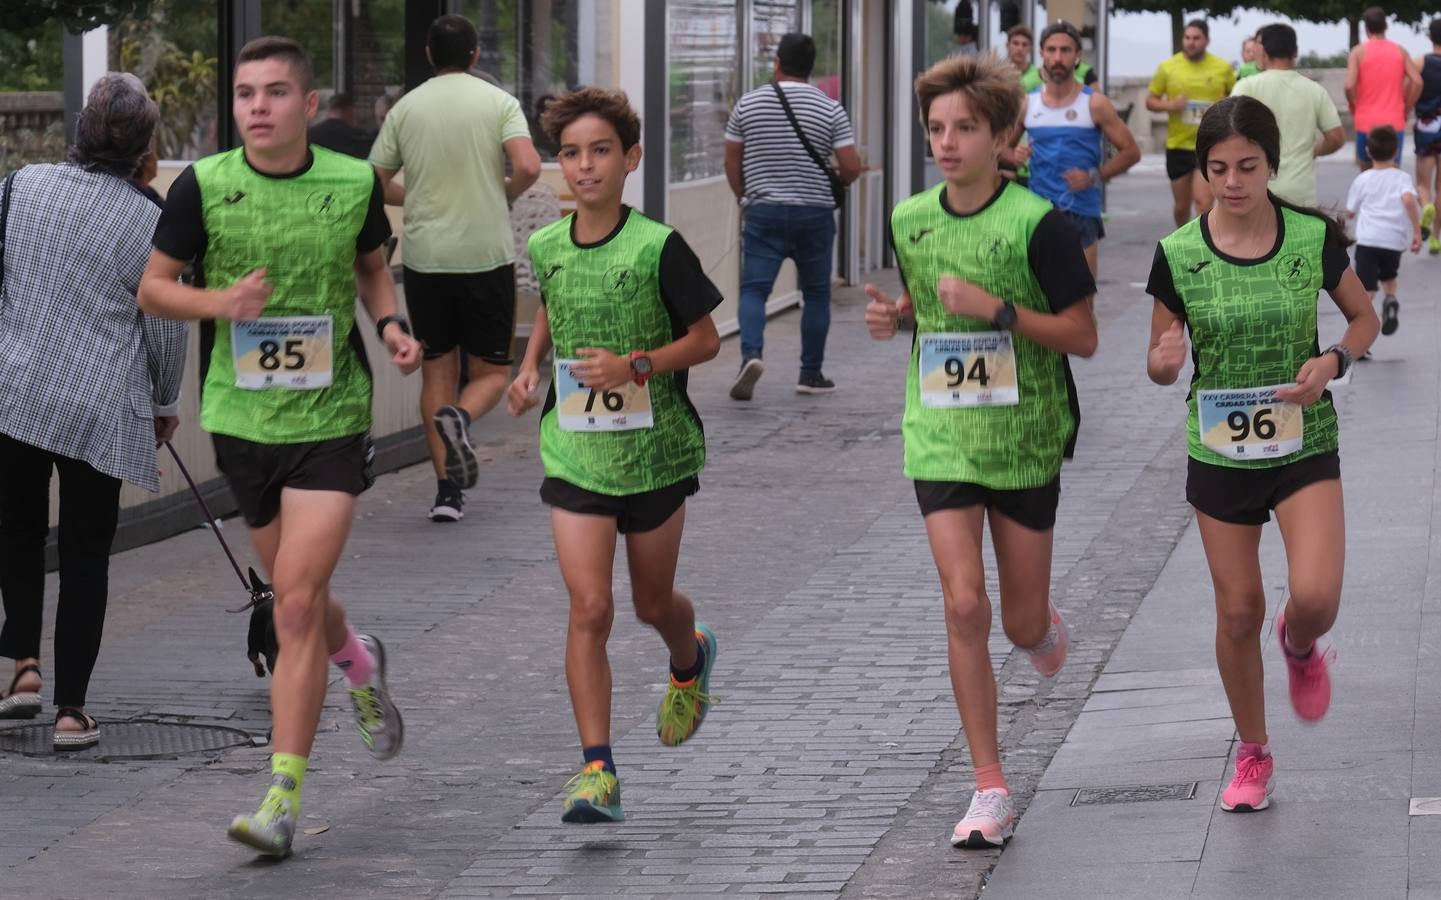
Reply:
x=83, y=372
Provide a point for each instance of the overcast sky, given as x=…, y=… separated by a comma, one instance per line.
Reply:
x=1140, y=41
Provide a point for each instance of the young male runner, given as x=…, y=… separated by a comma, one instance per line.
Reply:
x=626, y=306
x=281, y=233
x=1001, y=294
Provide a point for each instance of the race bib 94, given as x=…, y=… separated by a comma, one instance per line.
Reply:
x=282, y=352
x=580, y=408
x=1249, y=423
x=976, y=368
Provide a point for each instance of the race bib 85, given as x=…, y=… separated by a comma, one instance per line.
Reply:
x=282, y=352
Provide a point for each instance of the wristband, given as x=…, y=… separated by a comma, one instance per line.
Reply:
x=1095, y=177
x=386, y=320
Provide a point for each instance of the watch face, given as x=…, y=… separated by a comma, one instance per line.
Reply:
x=641, y=365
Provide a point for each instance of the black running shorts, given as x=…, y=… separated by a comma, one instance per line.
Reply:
x=1247, y=496
x=1180, y=163
x=257, y=473
x=1035, y=508
x=633, y=513
x=1375, y=265
x=474, y=311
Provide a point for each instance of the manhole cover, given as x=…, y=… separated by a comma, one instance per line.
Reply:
x=1134, y=794
x=128, y=740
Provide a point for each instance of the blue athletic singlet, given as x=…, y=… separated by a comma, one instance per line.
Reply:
x=1062, y=139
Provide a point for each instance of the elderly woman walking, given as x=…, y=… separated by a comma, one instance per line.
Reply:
x=88, y=388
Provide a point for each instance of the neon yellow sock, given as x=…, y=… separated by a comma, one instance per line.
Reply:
x=287, y=775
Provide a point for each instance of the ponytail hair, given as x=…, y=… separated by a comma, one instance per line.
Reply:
x=1249, y=118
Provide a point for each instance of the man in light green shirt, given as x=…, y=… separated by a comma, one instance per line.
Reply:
x=1302, y=109
x=452, y=136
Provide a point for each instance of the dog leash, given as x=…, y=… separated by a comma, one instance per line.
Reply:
x=259, y=590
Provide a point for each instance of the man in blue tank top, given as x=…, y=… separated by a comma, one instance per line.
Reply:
x=1065, y=121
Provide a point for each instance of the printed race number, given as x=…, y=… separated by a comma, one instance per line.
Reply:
x=1195, y=111
x=1249, y=423
x=282, y=352
x=968, y=369
x=581, y=408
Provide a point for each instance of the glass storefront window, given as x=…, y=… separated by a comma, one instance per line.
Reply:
x=770, y=21
x=172, y=50
x=703, y=85
x=826, y=30
x=535, y=50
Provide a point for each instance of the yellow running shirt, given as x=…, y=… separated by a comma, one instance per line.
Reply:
x=1202, y=82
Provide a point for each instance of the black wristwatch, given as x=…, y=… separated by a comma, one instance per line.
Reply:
x=1005, y=319
x=386, y=320
x=1343, y=356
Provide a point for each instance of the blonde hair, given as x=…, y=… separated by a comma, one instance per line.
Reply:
x=990, y=85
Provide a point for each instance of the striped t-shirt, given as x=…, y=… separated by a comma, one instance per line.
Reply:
x=776, y=167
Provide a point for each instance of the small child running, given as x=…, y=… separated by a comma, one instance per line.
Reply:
x=1383, y=202
x=626, y=305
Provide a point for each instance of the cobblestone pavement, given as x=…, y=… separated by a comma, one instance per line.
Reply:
x=834, y=764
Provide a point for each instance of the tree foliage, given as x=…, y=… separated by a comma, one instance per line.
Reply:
x=1180, y=12
x=75, y=15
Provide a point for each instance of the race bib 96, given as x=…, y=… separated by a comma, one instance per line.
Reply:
x=1249, y=423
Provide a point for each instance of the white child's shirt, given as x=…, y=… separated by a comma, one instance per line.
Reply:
x=1375, y=199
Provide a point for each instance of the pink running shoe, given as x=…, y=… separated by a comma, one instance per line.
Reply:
x=988, y=821
x=1050, y=654
x=1310, y=683
x=1250, y=789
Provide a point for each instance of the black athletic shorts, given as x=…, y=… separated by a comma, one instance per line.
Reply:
x=1034, y=508
x=257, y=473
x=1247, y=496
x=1375, y=265
x=1180, y=163
x=633, y=513
x=474, y=311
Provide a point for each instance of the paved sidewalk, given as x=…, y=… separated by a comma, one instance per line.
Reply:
x=834, y=765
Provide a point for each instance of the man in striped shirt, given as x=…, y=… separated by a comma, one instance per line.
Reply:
x=789, y=205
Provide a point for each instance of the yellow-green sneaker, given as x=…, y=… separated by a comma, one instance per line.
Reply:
x=1433, y=246
x=684, y=706
x=1428, y=218
x=271, y=830
x=593, y=796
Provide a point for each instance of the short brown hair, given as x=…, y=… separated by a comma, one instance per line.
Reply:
x=612, y=106
x=282, y=48
x=1024, y=31
x=989, y=83
x=1381, y=143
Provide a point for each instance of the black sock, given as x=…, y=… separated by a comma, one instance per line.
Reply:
x=464, y=415
x=684, y=675
x=444, y=484
x=599, y=752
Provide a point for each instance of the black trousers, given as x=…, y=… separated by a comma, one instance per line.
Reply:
x=89, y=507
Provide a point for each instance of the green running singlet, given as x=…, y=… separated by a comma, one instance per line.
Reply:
x=1003, y=447
x=609, y=295
x=1252, y=322
x=302, y=230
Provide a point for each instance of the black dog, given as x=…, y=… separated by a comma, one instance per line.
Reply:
x=260, y=641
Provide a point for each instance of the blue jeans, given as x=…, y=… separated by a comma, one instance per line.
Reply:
x=772, y=233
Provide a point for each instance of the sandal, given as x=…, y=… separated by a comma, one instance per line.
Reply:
x=17, y=704
x=75, y=740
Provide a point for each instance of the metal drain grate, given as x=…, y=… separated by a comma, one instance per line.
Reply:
x=128, y=740
x=1134, y=794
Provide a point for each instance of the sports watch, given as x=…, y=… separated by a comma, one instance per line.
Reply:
x=1343, y=358
x=1005, y=318
x=386, y=320
x=641, y=367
